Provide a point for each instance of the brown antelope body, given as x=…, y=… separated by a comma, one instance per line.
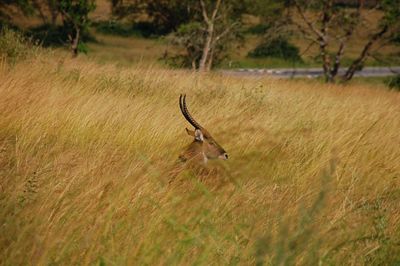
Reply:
x=203, y=147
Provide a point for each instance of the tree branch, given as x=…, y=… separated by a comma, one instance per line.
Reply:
x=305, y=33
x=309, y=24
x=215, y=10
x=226, y=31
x=364, y=53
x=345, y=39
x=204, y=12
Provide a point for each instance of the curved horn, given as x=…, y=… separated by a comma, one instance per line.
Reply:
x=185, y=112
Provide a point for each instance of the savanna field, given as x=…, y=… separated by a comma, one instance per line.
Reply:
x=87, y=151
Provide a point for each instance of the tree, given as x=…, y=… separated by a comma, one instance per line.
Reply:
x=75, y=15
x=204, y=28
x=190, y=37
x=322, y=21
x=212, y=15
x=162, y=16
x=273, y=28
x=388, y=27
x=213, y=27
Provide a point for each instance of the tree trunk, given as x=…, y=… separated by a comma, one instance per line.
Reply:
x=338, y=57
x=207, y=47
x=209, y=43
x=75, y=42
x=194, y=64
x=359, y=62
x=325, y=61
x=324, y=39
x=210, y=60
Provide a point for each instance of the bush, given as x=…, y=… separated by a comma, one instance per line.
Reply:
x=259, y=29
x=149, y=29
x=278, y=48
x=113, y=27
x=50, y=35
x=141, y=29
x=394, y=82
x=396, y=38
x=14, y=46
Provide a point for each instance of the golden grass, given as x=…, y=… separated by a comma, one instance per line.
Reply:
x=85, y=150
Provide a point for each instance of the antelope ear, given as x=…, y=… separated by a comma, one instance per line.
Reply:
x=198, y=135
x=190, y=132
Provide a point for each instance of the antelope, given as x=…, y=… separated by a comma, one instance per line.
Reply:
x=203, y=147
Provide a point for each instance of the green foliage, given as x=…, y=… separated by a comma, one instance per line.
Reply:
x=14, y=46
x=76, y=21
x=140, y=29
x=394, y=82
x=6, y=24
x=77, y=12
x=162, y=17
x=168, y=15
x=148, y=29
x=190, y=36
x=49, y=35
x=396, y=38
x=83, y=48
x=259, y=29
x=278, y=48
x=198, y=41
x=391, y=9
x=113, y=27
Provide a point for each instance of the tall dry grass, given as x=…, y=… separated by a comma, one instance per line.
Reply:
x=313, y=175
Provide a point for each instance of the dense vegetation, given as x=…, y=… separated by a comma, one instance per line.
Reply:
x=279, y=48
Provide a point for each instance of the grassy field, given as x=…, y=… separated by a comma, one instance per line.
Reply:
x=127, y=51
x=86, y=152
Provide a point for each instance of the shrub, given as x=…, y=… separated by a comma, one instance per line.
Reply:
x=396, y=38
x=259, y=29
x=278, y=48
x=113, y=27
x=14, y=46
x=50, y=35
x=394, y=82
x=149, y=29
x=142, y=29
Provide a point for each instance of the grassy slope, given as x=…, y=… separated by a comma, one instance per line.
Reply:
x=85, y=152
x=126, y=51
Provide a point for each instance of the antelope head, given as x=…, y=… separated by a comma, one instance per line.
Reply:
x=203, y=147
